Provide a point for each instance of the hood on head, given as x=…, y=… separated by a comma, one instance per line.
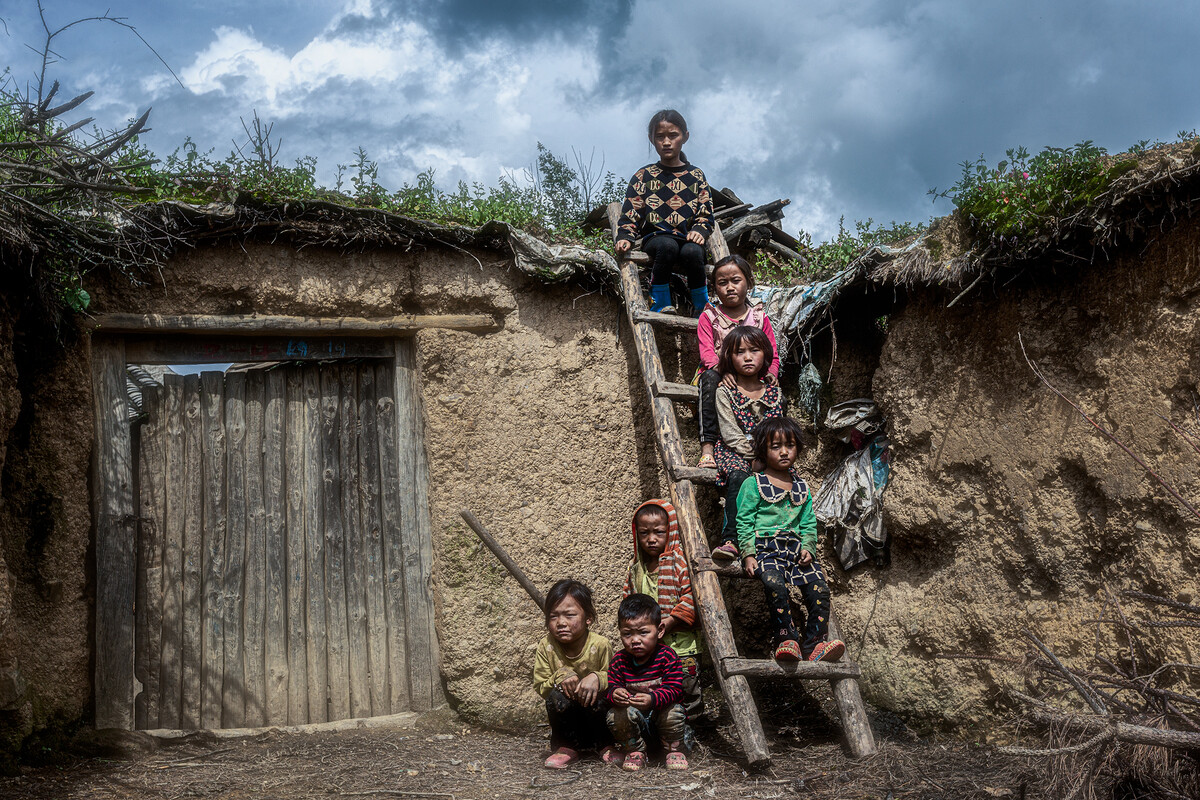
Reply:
x=672, y=527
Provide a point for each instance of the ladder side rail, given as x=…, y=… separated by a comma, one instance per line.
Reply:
x=853, y=711
x=714, y=616
x=855, y=723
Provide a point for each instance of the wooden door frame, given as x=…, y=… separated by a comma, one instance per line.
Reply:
x=154, y=338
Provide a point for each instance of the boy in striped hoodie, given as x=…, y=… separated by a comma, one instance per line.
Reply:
x=660, y=569
x=645, y=681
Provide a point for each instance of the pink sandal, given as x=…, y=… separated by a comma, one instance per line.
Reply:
x=562, y=758
x=634, y=761
x=725, y=552
x=677, y=759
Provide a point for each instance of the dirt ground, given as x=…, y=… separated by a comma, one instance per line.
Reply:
x=454, y=763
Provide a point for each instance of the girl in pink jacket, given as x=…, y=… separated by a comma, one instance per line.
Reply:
x=732, y=280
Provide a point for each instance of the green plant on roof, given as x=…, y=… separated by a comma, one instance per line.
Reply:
x=1026, y=195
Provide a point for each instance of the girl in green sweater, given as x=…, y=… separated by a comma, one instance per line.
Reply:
x=777, y=539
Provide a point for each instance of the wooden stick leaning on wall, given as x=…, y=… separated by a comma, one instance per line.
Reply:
x=507, y=561
x=259, y=324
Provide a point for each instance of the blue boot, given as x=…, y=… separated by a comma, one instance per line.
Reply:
x=660, y=297
x=699, y=299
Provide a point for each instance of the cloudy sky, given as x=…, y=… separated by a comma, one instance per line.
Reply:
x=851, y=108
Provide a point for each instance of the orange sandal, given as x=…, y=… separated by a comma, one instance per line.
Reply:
x=562, y=758
x=788, y=650
x=828, y=651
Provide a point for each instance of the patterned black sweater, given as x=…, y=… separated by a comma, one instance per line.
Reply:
x=672, y=200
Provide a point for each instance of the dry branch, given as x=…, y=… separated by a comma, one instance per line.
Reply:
x=1170, y=489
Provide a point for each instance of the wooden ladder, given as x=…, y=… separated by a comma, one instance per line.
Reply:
x=732, y=670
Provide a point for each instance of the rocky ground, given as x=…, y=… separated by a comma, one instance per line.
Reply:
x=441, y=759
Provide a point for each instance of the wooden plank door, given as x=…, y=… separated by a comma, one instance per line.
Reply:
x=283, y=549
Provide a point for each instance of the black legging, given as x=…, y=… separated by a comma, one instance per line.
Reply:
x=575, y=726
x=675, y=255
x=815, y=595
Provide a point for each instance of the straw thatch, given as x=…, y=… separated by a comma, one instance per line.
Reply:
x=1161, y=189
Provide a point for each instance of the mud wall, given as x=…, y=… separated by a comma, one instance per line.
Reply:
x=45, y=519
x=1007, y=510
x=533, y=427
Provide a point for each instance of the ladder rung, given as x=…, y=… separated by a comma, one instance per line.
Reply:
x=670, y=321
x=637, y=257
x=694, y=474
x=677, y=391
x=802, y=670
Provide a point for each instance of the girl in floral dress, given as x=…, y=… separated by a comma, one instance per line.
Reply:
x=746, y=353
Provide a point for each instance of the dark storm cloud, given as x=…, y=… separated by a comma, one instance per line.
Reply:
x=854, y=108
x=879, y=101
x=460, y=23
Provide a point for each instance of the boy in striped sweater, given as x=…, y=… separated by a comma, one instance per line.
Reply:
x=645, y=681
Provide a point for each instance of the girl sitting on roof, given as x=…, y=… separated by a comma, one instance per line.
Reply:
x=668, y=203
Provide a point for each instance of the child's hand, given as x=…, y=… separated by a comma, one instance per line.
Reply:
x=695, y=236
x=770, y=379
x=750, y=564
x=589, y=687
x=642, y=701
x=729, y=381
x=569, y=685
x=620, y=696
x=806, y=557
x=624, y=245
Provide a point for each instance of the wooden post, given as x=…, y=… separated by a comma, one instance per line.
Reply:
x=233, y=706
x=391, y=533
x=335, y=547
x=295, y=492
x=356, y=565
x=417, y=541
x=369, y=526
x=486, y=537
x=112, y=481
x=853, y=711
x=192, y=649
x=717, y=247
x=214, y=521
x=256, y=325
x=314, y=552
x=254, y=604
x=152, y=488
x=171, y=672
x=713, y=614
x=275, y=510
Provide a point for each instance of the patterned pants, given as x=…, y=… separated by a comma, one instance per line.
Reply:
x=779, y=567
x=693, y=700
x=632, y=727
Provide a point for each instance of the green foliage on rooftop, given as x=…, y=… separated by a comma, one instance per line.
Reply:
x=549, y=198
x=1026, y=196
